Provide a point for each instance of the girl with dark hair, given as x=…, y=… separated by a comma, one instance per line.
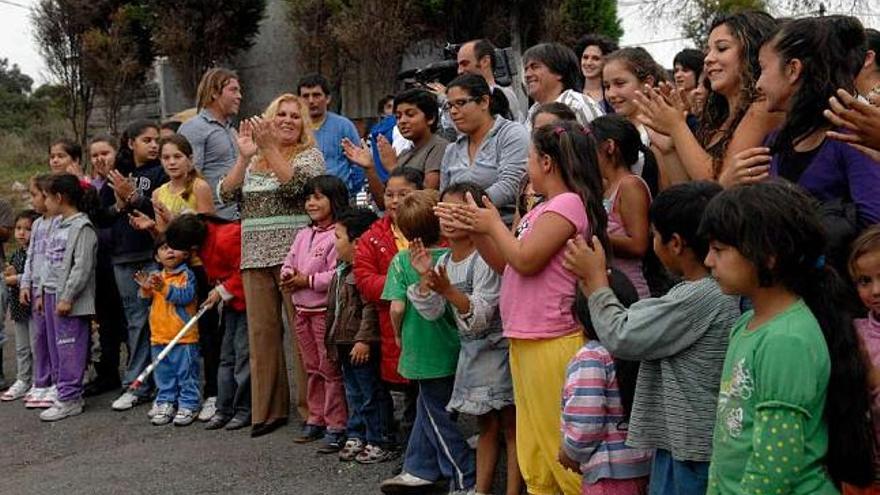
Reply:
x=306, y=275
x=733, y=118
x=491, y=150
x=65, y=156
x=544, y=334
x=592, y=50
x=69, y=289
x=687, y=68
x=793, y=406
x=552, y=73
x=137, y=174
x=804, y=63
x=868, y=80
x=627, y=196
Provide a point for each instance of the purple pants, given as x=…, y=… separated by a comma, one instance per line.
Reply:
x=71, y=348
x=45, y=355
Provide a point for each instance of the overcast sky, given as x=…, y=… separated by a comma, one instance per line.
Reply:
x=16, y=34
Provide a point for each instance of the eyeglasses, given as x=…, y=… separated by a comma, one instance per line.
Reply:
x=459, y=104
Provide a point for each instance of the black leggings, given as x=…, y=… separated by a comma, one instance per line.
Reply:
x=210, y=334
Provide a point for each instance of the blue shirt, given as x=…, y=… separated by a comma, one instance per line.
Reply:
x=215, y=150
x=329, y=137
x=384, y=127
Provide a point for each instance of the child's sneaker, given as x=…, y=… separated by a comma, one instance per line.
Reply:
x=352, y=447
x=209, y=409
x=34, y=396
x=154, y=410
x=309, y=434
x=18, y=390
x=164, y=414
x=62, y=409
x=48, y=399
x=126, y=401
x=184, y=417
x=405, y=483
x=333, y=441
x=374, y=454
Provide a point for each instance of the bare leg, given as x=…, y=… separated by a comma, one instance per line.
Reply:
x=487, y=450
x=514, y=477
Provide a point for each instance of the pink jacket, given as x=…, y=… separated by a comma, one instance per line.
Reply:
x=313, y=253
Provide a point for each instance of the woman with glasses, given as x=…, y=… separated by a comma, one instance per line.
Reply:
x=490, y=150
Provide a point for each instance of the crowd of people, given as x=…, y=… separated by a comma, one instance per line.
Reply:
x=646, y=281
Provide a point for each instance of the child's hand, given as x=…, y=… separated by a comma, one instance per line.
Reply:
x=360, y=353
x=10, y=270
x=156, y=282
x=38, y=305
x=287, y=281
x=11, y=280
x=213, y=298
x=470, y=216
x=300, y=281
x=162, y=211
x=24, y=298
x=420, y=258
x=63, y=308
x=439, y=281
x=139, y=221
x=587, y=263
x=142, y=278
x=568, y=463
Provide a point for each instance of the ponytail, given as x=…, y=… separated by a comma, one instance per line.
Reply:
x=498, y=105
x=77, y=193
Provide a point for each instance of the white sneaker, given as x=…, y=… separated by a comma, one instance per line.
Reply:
x=164, y=414
x=62, y=409
x=18, y=390
x=49, y=398
x=154, y=410
x=403, y=482
x=184, y=417
x=126, y=401
x=209, y=409
x=34, y=397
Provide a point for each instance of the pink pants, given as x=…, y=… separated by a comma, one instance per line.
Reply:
x=326, y=395
x=608, y=486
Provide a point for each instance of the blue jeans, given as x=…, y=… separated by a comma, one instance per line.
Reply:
x=234, y=372
x=137, y=317
x=177, y=376
x=671, y=477
x=436, y=448
x=370, y=409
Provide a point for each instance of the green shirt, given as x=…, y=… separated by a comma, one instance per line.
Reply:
x=429, y=349
x=770, y=436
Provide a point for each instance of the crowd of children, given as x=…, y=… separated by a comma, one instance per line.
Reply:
x=665, y=314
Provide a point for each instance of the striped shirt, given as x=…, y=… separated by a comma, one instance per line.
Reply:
x=584, y=107
x=594, y=422
x=681, y=339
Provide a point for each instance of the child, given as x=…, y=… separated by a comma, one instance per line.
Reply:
x=864, y=268
x=65, y=156
x=69, y=288
x=464, y=282
x=353, y=340
x=20, y=314
x=627, y=197
x=680, y=339
x=537, y=292
x=173, y=294
x=793, y=406
x=306, y=273
x=596, y=406
x=43, y=393
x=218, y=243
x=429, y=355
x=372, y=257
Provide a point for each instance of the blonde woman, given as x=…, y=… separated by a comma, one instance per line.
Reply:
x=277, y=157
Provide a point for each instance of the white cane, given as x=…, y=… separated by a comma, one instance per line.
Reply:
x=183, y=331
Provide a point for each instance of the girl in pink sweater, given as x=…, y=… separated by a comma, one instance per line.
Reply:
x=306, y=274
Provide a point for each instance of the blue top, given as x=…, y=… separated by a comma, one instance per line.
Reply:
x=215, y=150
x=835, y=170
x=329, y=137
x=385, y=127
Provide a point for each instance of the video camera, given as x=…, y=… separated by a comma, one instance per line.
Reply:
x=446, y=70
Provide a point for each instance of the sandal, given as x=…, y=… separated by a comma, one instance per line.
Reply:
x=351, y=449
x=374, y=454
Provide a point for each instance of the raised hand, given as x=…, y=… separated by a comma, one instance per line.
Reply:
x=749, y=166
x=386, y=153
x=142, y=278
x=439, y=281
x=266, y=134
x=139, y=221
x=470, y=216
x=162, y=211
x=860, y=119
x=657, y=112
x=121, y=185
x=246, y=144
x=359, y=155
x=420, y=258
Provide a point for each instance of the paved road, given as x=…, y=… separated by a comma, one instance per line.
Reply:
x=108, y=452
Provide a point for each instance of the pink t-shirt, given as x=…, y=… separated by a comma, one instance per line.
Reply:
x=869, y=330
x=539, y=306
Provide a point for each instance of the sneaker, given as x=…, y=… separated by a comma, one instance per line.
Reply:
x=154, y=410
x=34, y=396
x=309, y=434
x=352, y=447
x=48, y=399
x=62, y=409
x=18, y=390
x=184, y=417
x=462, y=492
x=374, y=454
x=209, y=409
x=164, y=414
x=404, y=483
x=333, y=442
x=126, y=401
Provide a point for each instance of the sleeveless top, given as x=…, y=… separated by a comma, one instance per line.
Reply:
x=177, y=205
x=631, y=267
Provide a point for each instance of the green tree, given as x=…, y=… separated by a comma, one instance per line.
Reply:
x=697, y=24
x=196, y=35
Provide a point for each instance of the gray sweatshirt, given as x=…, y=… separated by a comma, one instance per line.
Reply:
x=681, y=339
x=71, y=256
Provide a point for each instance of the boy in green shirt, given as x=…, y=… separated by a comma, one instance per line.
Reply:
x=428, y=356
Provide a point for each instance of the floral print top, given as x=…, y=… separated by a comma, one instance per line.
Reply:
x=272, y=212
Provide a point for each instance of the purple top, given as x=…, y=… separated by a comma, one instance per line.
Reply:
x=837, y=170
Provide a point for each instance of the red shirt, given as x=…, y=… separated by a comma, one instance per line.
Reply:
x=221, y=257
